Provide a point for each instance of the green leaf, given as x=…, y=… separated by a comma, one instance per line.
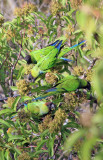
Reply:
x=72, y=140
x=4, y=122
x=72, y=125
x=38, y=152
x=6, y=111
x=51, y=145
x=2, y=155
x=14, y=88
x=15, y=137
x=14, y=105
x=21, y=73
x=25, y=98
x=87, y=147
x=40, y=145
x=66, y=19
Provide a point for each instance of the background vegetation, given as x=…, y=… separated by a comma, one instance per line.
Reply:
x=74, y=130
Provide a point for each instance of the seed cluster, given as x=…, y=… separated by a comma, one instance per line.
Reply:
x=54, y=125
x=72, y=100
x=26, y=9
x=51, y=78
x=23, y=116
x=75, y=3
x=23, y=87
x=78, y=70
x=28, y=68
x=10, y=101
x=24, y=156
x=44, y=125
x=55, y=6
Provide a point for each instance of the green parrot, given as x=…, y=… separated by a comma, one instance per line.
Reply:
x=67, y=84
x=51, y=58
x=36, y=55
x=46, y=62
x=39, y=108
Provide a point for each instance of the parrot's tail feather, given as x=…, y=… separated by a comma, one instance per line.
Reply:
x=39, y=98
x=82, y=42
x=77, y=44
x=51, y=90
x=59, y=45
x=53, y=44
x=65, y=59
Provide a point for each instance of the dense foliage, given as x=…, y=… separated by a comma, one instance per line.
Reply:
x=74, y=126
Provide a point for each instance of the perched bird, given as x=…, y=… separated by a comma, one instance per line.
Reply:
x=39, y=108
x=46, y=62
x=67, y=84
x=51, y=58
x=36, y=55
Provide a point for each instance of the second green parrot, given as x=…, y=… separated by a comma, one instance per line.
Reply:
x=67, y=84
x=39, y=108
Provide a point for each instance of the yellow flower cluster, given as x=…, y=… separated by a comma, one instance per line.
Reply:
x=10, y=101
x=55, y=6
x=72, y=100
x=69, y=28
x=26, y=9
x=56, y=124
x=44, y=125
x=51, y=78
x=89, y=75
x=23, y=116
x=75, y=3
x=28, y=68
x=24, y=156
x=78, y=70
x=23, y=87
x=10, y=34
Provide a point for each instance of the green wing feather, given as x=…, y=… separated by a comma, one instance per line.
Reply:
x=38, y=54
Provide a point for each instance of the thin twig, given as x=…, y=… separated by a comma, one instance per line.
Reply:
x=62, y=155
x=57, y=147
x=93, y=63
x=88, y=60
x=4, y=61
x=11, y=80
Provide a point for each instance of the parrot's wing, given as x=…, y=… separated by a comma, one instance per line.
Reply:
x=50, y=58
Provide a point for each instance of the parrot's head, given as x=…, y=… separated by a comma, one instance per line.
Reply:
x=28, y=59
x=50, y=105
x=35, y=71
